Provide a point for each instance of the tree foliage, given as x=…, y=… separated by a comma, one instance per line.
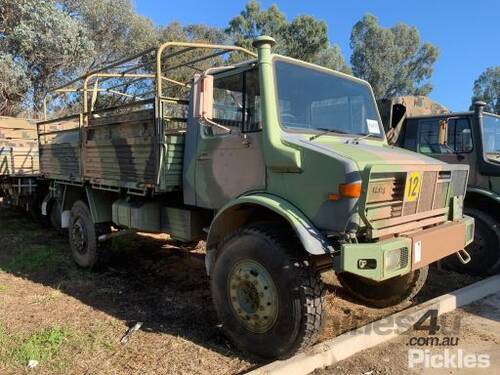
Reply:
x=45, y=45
x=393, y=60
x=14, y=85
x=114, y=27
x=174, y=31
x=45, y=42
x=253, y=21
x=196, y=33
x=332, y=58
x=487, y=89
x=304, y=38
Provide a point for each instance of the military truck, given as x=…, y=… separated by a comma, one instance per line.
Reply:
x=281, y=166
x=422, y=125
x=19, y=163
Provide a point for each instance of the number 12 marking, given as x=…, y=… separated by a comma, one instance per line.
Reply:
x=413, y=186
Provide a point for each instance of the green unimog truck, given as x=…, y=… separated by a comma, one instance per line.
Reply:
x=281, y=166
x=473, y=138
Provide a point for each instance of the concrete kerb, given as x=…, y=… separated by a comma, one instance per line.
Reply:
x=341, y=347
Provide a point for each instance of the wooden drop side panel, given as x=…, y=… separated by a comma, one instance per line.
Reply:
x=120, y=150
x=59, y=144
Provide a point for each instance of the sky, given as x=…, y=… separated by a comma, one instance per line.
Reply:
x=466, y=32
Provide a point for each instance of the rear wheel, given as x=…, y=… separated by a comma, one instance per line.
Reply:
x=266, y=293
x=484, y=250
x=83, y=238
x=384, y=293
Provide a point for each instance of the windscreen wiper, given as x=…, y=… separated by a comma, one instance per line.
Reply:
x=361, y=136
x=325, y=131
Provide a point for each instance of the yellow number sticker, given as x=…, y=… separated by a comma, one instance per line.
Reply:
x=413, y=186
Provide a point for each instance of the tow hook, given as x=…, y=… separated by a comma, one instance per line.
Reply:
x=463, y=256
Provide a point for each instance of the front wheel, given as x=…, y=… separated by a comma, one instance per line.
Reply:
x=266, y=293
x=384, y=293
x=83, y=238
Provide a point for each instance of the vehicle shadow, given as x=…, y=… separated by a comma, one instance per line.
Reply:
x=151, y=279
x=147, y=279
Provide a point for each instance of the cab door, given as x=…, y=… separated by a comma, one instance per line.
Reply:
x=459, y=147
x=229, y=162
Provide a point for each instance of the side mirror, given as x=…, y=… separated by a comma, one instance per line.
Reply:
x=203, y=101
x=204, y=96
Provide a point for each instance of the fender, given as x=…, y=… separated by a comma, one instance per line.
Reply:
x=485, y=193
x=311, y=238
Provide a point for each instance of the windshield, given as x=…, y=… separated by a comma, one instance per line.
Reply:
x=491, y=136
x=314, y=100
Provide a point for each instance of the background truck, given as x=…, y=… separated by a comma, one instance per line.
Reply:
x=473, y=138
x=280, y=165
x=19, y=162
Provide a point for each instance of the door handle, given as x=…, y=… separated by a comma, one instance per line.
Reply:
x=460, y=157
x=203, y=156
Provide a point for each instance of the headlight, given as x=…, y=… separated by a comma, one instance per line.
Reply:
x=395, y=259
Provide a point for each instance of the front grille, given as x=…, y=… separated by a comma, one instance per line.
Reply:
x=458, y=183
x=404, y=258
x=427, y=194
x=385, y=196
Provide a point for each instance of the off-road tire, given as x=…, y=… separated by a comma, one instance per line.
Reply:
x=385, y=293
x=484, y=251
x=92, y=254
x=300, y=291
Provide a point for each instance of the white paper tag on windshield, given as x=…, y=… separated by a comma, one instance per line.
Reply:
x=373, y=126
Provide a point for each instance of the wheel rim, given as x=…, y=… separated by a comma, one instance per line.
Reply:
x=79, y=236
x=253, y=296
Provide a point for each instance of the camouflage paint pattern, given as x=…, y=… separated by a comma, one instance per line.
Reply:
x=395, y=110
x=144, y=150
x=304, y=173
x=59, y=143
x=18, y=147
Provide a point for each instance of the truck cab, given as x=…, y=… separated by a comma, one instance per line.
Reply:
x=471, y=138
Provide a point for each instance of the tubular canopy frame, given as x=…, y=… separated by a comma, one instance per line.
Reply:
x=134, y=69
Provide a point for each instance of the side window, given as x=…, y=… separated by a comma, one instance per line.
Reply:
x=429, y=138
x=228, y=101
x=459, y=137
x=237, y=102
x=462, y=136
x=252, y=120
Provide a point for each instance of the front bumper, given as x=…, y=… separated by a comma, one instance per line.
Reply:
x=397, y=256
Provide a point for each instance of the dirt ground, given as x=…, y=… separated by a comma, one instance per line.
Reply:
x=71, y=321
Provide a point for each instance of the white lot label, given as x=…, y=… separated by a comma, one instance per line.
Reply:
x=373, y=126
x=417, y=249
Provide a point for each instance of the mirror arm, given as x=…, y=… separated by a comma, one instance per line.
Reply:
x=213, y=123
